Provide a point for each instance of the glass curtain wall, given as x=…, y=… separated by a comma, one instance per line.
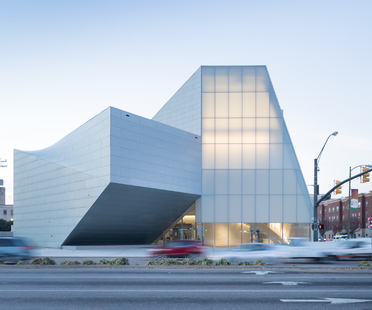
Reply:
x=247, y=155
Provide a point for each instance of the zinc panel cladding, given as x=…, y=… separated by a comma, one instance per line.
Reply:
x=154, y=154
x=244, y=134
x=182, y=110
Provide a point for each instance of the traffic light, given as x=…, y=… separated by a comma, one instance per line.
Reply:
x=320, y=226
x=338, y=189
x=365, y=177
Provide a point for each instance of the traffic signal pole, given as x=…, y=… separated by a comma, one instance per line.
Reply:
x=315, y=217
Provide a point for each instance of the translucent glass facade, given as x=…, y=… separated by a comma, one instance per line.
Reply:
x=250, y=173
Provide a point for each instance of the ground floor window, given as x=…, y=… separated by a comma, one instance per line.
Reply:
x=232, y=234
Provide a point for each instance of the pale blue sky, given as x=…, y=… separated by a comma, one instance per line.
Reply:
x=63, y=62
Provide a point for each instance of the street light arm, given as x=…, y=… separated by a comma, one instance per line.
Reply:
x=321, y=151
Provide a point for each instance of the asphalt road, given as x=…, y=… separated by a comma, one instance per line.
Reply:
x=109, y=288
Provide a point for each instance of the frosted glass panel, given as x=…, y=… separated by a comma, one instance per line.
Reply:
x=207, y=208
x=276, y=208
x=249, y=156
x=249, y=130
x=208, y=156
x=276, y=130
x=207, y=79
x=235, y=105
x=208, y=130
x=249, y=182
x=222, y=130
x=289, y=210
x=276, y=156
x=235, y=182
x=222, y=79
x=304, y=208
x=208, y=182
x=208, y=105
x=249, y=79
x=262, y=79
x=262, y=182
x=290, y=160
x=275, y=110
x=222, y=181
x=276, y=182
x=289, y=182
x=262, y=130
x=222, y=155
x=262, y=208
x=222, y=105
x=222, y=203
x=235, y=209
x=235, y=79
x=235, y=156
x=262, y=105
x=249, y=208
x=235, y=130
x=262, y=153
x=249, y=104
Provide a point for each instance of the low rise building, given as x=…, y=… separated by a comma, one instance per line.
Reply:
x=334, y=215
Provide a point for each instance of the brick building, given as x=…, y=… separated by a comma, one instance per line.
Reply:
x=334, y=214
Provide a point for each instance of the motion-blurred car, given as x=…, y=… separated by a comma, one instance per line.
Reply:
x=179, y=248
x=353, y=249
x=15, y=249
x=250, y=252
x=302, y=248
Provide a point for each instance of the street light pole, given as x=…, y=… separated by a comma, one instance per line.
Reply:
x=316, y=190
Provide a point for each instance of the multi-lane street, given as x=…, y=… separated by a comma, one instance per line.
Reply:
x=109, y=288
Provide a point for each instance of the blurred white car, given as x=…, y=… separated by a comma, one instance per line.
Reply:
x=250, y=252
x=353, y=249
x=302, y=248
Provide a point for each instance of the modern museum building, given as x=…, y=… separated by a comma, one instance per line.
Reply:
x=215, y=164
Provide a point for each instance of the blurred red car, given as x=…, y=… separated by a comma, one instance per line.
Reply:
x=179, y=248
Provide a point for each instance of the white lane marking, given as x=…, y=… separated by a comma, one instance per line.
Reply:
x=330, y=300
x=286, y=283
x=260, y=272
x=248, y=291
